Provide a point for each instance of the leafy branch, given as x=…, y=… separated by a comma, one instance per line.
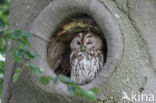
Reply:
x=23, y=50
x=73, y=89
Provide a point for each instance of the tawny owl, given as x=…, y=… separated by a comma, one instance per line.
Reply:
x=86, y=58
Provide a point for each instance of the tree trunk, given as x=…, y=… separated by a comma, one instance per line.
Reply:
x=129, y=27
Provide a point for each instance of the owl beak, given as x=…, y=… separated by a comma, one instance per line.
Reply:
x=82, y=48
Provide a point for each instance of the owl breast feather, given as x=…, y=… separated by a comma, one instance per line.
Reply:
x=85, y=65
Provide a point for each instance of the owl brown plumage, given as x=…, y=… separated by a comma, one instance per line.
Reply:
x=86, y=58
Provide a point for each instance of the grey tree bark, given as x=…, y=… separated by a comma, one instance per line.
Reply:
x=129, y=27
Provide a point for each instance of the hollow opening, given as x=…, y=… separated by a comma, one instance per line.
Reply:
x=59, y=46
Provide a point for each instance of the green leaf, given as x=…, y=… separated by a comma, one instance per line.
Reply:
x=45, y=79
x=79, y=95
x=26, y=42
x=79, y=92
x=71, y=89
x=15, y=35
x=27, y=55
x=79, y=89
x=2, y=43
x=55, y=80
x=16, y=74
x=17, y=58
x=72, y=83
x=30, y=54
x=36, y=70
x=64, y=79
x=1, y=76
x=2, y=26
x=19, y=52
x=90, y=95
x=2, y=66
x=35, y=54
x=21, y=45
x=95, y=90
x=10, y=36
x=27, y=34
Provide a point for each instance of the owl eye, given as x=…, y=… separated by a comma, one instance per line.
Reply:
x=89, y=42
x=78, y=43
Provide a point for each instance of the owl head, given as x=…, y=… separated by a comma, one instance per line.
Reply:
x=85, y=41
